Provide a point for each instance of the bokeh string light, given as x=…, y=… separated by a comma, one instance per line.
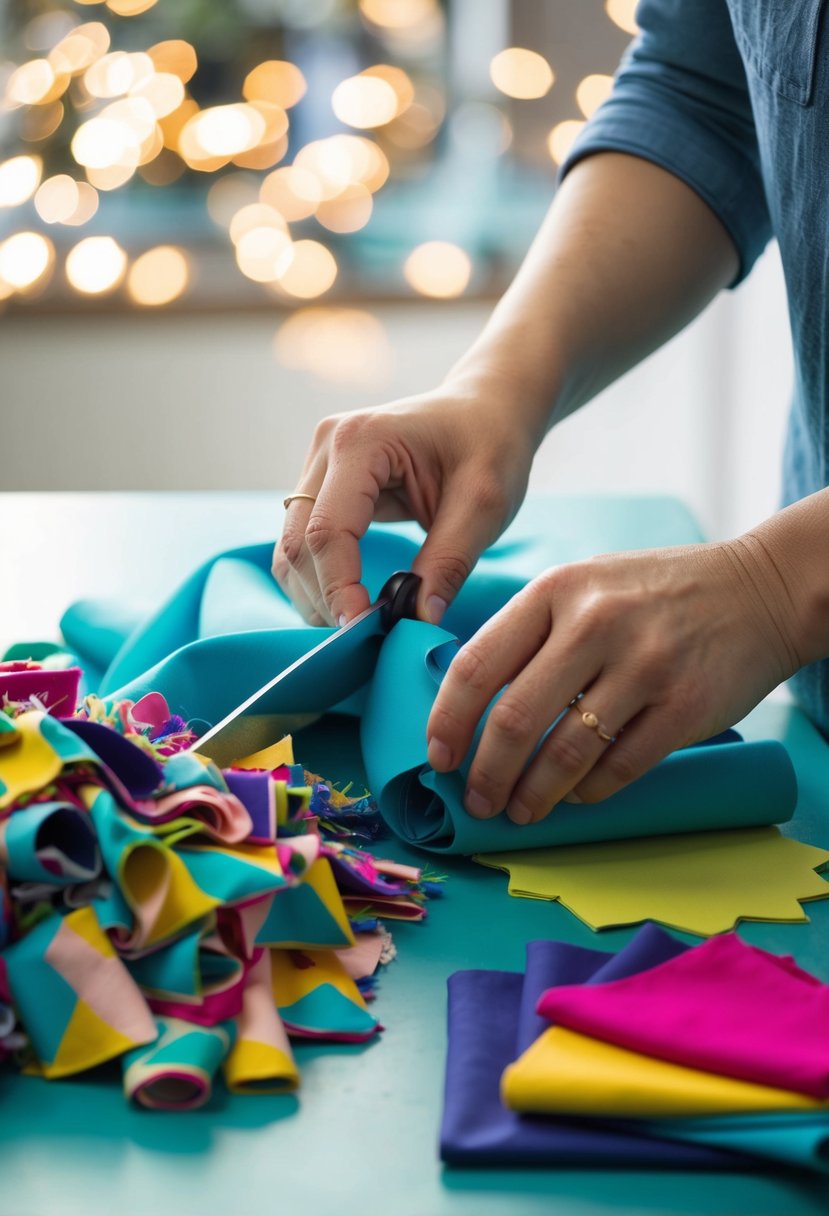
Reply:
x=98, y=111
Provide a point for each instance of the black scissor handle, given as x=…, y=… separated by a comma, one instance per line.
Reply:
x=400, y=593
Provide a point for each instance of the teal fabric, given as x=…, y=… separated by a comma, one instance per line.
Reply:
x=792, y=1139
x=228, y=629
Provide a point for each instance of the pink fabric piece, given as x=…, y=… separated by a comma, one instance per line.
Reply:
x=56, y=690
x=224, y=817
x=724, y=1007
x=363, y=958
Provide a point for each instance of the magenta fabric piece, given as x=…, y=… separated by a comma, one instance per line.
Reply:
x=56, y=690
x=725, y=1007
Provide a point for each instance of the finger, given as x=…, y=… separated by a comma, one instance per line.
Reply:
x=358, y=471
x=646, y=740
x=519, y=719
x=572, y=749
x=494, y=656
x=293, y=566
x=468, y=520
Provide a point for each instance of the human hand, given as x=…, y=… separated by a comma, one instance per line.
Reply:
x=454, y=460
x=669, y=647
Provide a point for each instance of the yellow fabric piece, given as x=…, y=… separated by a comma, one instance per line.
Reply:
x=84, y=922
x=568, y=1073
x=87, y=1041
x=291, y=983
x=260, y=1067
x=161, y=893
x=270, y=757
x=701, y=882
x=320, y=878
x=28, y=761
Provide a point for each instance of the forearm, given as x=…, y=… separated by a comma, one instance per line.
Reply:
x=627, y=255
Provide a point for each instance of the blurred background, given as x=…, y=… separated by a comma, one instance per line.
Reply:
x=221, y=221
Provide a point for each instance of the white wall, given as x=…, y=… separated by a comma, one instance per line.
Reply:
x=166, y=402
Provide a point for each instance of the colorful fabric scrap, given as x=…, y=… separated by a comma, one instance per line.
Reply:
x=184, y=919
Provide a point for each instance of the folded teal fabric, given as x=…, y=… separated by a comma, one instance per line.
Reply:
x=228, y=629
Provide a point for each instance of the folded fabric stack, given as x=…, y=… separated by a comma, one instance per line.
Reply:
x=188, y=921
x=662, y=1054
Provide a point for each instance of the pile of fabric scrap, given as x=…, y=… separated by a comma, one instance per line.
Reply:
x=714, y=1055
x=188, y=921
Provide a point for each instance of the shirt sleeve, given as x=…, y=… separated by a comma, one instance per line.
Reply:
x=681, y=100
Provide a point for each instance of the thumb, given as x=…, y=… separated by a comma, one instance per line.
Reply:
x=467, y=522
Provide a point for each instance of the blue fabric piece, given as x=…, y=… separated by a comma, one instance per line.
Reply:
x=723, y=784
x=730, y=96
x=479, y=1132
x=492, y=1020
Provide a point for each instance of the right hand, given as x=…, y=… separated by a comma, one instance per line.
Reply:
x=453, y=459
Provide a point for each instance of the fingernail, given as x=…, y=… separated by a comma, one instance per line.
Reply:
x=341, y=619
x=477, y=805
x=572, y=797
x=439, y=754
x=435, y=608
x=520, y=814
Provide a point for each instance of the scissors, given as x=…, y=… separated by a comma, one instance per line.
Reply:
x=340, y=664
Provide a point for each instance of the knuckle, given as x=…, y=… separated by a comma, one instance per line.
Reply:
x=513, y=720
x=324, y=429
x=319, y=534
x=348, y=429
x=564, y=755
x=536, y=801
x=470, y=668
x=290, y=551
x=453, y=568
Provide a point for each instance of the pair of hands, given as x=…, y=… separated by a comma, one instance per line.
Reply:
x=667, y=646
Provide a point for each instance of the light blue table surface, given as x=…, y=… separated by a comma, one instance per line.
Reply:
x=361, y=1136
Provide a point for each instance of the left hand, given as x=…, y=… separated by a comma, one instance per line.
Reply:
x=668, y=646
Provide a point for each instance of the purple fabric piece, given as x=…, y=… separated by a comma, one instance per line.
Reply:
x=253, y=791
x=133, y=767
x=485, y=1014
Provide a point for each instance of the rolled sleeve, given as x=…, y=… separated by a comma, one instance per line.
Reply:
x=681, y=100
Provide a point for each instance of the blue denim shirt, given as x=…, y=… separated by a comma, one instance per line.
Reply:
x=731, y=96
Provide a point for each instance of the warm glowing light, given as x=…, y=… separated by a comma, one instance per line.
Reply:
x=561, y=139
x=57, y=199
x=87, y=205
x=264, y=254
x=592, y=91
x=398, y=80
x=44, y=31
x=438, y=269
x=24, y=259
x=173, y=125
x=35, y=83
x=175, y=56
x=39, y=122
x=96, y=265
x=158, y=276
x=255, y=215
x=163, y=91
x=115, y=74
x=110, y=177
x=312, y=271
x=398, y=14
x=344, y=345
x=222, y=131
x=129, y=8
x=295, y=193
x=341, y=160
x=264, y=156
x=276, y=81
x=521, y=73
x=103, y=142
x=348, y=211
x=79, y=50
x=623, y=14
x=163, y=169
x=230, y=194
x=364, y=102
x=19, y=178
x=413, y=129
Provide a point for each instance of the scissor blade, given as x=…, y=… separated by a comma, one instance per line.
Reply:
x=317, y=680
